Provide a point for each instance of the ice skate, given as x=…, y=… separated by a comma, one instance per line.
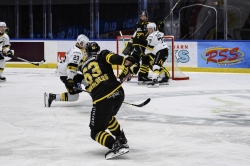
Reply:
x=153, y=84
x=48, y=98
x=117, y=150
x=2, y=79
x=164, y=81
x=123, y=140
x=143, y=80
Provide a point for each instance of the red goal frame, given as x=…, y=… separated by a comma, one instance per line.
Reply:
x=174, y=64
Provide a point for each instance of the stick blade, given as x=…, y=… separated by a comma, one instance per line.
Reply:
x=144, y=103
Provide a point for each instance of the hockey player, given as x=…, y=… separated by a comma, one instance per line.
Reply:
x=67, y=70
x=159, y=50
x=4, y=49
x=107, y=95
x=137, y=46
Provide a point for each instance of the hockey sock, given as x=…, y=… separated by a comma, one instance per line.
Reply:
x=67, y=97
x=105, y=139
x=114, y=127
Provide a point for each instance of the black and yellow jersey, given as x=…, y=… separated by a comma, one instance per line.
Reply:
x=99, y=74
x=141, y=33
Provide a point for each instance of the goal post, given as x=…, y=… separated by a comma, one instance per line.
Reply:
x=170, y=64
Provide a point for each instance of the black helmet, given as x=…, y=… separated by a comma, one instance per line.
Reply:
x=143, y=13
x=92, y=48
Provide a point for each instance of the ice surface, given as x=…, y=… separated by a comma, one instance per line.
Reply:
x=204, y=121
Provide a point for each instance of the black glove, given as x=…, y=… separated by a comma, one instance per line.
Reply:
x=161, y=26
x=10, y=54
x=70, y=85
x=131, y=60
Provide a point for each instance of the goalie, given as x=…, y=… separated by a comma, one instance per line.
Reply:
x=136, y=48
x=157, y=50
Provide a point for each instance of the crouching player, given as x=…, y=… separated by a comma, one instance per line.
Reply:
x=68, y=69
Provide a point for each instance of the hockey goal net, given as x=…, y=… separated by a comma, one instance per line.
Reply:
x=170, y=64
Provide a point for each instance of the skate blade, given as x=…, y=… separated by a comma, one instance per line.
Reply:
x=152, y=86
x=164, y=83
x=119, y=153
x=45, y=99
x=143, y=82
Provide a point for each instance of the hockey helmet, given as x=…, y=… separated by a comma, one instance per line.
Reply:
x=92, y=48
x=82, y=40
x=2, y=24
x=2, y=27
x=143, y=13
x=152, y=25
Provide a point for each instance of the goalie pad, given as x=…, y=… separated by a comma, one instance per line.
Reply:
x=128, y=48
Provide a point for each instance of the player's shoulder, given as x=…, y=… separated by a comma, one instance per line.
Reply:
x=4, y=36
x=157, y=34
x=76, y=50
x=105, y=52
x=139, y=22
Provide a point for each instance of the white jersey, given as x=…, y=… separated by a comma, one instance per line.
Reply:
x=68, y=66
x=4, y=43
x=155, y=42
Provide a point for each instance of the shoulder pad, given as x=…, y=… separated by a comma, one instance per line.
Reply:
x=104, y=52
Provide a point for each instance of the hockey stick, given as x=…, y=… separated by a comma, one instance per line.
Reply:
x=171, y=11
x=139, y=105
x=33, y=63
x=136, y=105
x=122, y=38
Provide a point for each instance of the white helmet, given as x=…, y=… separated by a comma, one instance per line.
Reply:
x=82, y=40
x=2, y=25
x=151, y=25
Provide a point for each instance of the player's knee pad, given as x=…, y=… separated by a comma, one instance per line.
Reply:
x=93, y=134
x=2, y=63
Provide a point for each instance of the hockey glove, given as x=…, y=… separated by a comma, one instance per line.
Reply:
x=161, y=26
x=70, y=85
x=130, y=61
x=9, y=54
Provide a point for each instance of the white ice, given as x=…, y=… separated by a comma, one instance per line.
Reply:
x=203, y=121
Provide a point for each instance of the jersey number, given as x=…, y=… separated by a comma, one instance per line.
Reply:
x=93, y=68
x=76, y=58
